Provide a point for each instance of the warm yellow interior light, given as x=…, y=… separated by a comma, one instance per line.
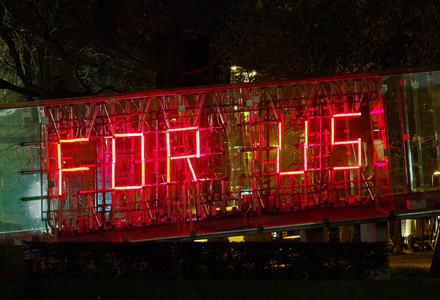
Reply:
x=236, y=239
x=291, y=237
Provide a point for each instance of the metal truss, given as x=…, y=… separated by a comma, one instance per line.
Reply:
x=182, y=156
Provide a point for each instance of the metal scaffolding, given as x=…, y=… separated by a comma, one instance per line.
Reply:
x=182, y=156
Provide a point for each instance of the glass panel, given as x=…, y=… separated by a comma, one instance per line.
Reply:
x=20, y=165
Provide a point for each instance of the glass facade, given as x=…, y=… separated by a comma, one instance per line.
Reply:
x=180, y=156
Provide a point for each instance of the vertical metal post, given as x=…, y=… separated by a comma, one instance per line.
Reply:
x=89, y=198
x=168, y=201
x=198, y=206
x=292, y=192
x=359, y=186
x=113, y=210
x=404, y=134
x=184, y=200
x=223, y=205
x=143, y=205
x=75, y=214
x=346, y=186
x=60, y=214
x=129, y=204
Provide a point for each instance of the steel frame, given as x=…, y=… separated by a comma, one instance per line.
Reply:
x=182, y=156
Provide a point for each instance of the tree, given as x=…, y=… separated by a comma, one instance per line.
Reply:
x=61, y=48
x=291, y=38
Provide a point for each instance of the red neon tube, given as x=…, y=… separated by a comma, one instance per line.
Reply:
x=132, y=187
x=168, y=145
x=280, y=135
x=113, y=162
x=76, y=169
x=192, y=169
x=355, y=114
x=181, y=129
x=60, y=174
x=168, y=170
x=292, y=172
x=346, y=168
x=127, y=134
x=377, y=111
x=74, y=140
x=184, y=156
x=278, y=160
x=306, y=144
x=143, y=159
x=198, y=143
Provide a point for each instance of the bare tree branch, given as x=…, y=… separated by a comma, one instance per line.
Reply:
x=5, y=85
x=216, y=59
x=16, y=57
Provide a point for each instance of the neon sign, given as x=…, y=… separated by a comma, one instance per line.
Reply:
x=147, y=154
x=115, y=162
x=180, y=156
x=60, y=168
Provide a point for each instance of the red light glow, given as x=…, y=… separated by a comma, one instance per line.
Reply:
x=182, y=129
x=60, y=175
x=76, y=169
x=128, y=135
x=184, y=156
x=74, y=140
x=377, y=111
x=191, y=169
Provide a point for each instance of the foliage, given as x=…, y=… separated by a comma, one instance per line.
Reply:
x=239, y=261
x=291, y=38
x=59, y=48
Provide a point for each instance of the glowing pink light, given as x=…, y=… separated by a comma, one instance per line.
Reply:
x=128, y=134
x=346, y=168
x=345, y=142
x=143, y=159
x=306, y=143
x=377, y=111
x=332, y=133
x=306, y=134
x=184, y=156
x=198, y=143
x=168, y=145
x=60, y=175
x=76, y=169
x=191, y=169
x=280, y=135
x=298, y=172
x=113, y=162
x=74, y=140
x=380, y=164
x=278, y=160
x=132, y=187
x=168, y=170
x=181, y=129
x=355, y=114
